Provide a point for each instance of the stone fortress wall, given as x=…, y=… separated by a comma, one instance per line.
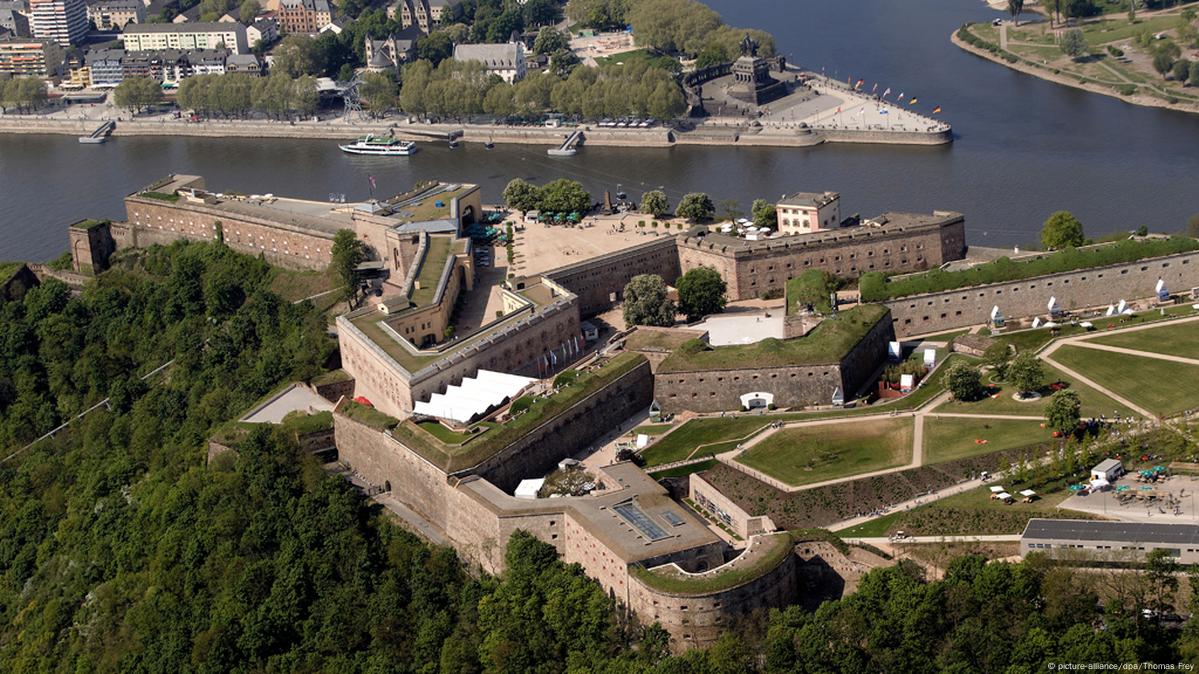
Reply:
x=599, y=282
x=792, y=385
x=1094, y=287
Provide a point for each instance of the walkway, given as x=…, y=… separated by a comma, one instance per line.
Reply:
x=980, y=538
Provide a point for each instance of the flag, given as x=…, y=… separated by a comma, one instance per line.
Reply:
x=874, y=88
x=899, y=97
x=936, y=109
x=373, y=186
x=838, y=109
x=888, y=91
x=913, y=101
x=859, y=84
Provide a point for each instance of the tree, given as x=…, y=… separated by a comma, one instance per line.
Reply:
x=695, y=207
x=379, y=92
x=295, y=56
x=1015, y=7
x=1180, y=70
x=550, y=40
x=645, y=301
x=1193, y=76
x=565, y=196
x=348, y=252
x=1163, y=62
x=137, y=93
x=964, y=382
x=701, y=293
x=1061, y=230
x=1074, y=43
x=500, y=100
x=1063, y=411
x=248, y=10
x=1026, y=373
x=764, y=214
x=522, y=195
x=729, y=209
x=654, y=203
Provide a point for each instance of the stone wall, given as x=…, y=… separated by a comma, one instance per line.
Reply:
x=154, y=221
x=792, y=385
x=540, y=450
x=1099, y=286
x=724, y=509
x=697, y=620
x=753, y=268
x=599, y=282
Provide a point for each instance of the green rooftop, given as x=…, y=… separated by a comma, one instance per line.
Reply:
x=7, y=269
x=765, y=554
x=88, y=224
x=427, y=208
x=826, y=344
x=475, y=448
x=436, y=254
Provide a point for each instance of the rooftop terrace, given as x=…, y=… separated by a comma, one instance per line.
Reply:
x=879, y=225
x=827, y=343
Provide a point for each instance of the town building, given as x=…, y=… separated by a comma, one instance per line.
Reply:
x=303, y=16
x=22, y=57
x=13, y=18
x=243, y=63
x=158, y=36
x=116, y=14
x=262, y=32
x=506, y=60
x=1109, y=541
x=63, y=21
x=427, y=15
x=391, y=52
x=807, y=212
x=105, y=67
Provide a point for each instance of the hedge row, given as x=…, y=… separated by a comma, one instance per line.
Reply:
x=876, y=288
x=969, y=38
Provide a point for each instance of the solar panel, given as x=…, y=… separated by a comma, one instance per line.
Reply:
x=673, y=519
x=640, y=521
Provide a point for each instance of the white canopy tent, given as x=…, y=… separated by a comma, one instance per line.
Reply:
x=474, y=397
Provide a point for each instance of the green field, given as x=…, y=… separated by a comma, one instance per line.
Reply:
x=1162, y=387
x=949, y=438
x=815, y=453
x=1094, y=403
x=1175, y=340
x=652, y=429
x=681, y=442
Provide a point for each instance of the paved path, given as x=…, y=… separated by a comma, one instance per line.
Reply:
x=1013, y=417
x=980, y=538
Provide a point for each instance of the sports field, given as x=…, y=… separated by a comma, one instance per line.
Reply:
x=1160, y=386
x=808, y=454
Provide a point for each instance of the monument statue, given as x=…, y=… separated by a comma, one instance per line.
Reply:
x=749, y=46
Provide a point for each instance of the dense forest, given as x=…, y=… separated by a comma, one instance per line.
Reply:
x=121, y=549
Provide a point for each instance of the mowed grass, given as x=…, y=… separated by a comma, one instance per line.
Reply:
x=680, y=443
x=1180, y=339
x=1094, y=403
x=814, y=453
x=1160, y=386
x=949, y=438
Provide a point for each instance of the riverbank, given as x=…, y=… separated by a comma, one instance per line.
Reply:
x=659, y=137
x=1046, y=72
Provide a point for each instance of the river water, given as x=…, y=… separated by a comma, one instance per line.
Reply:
x=1023, y=148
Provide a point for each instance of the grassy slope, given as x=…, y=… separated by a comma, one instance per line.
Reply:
x=948, y=438
x=814, y=453
x=1144, y=381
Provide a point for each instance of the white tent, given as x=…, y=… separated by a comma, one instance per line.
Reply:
x=996, y=489
x=474, y=397
x=1036, y=322
x=529, y=488
x=1100, y=485
x=642, y=440
x=930, y=358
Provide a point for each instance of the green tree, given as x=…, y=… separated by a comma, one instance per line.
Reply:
x=1163, y=62
x=701, y=293
x=295, y=56
x=565, y=196
x=997, y=356
x=695, y=207
x=1063, y=411
x=550, y=40
x=1193, y=75
x=1062, y=230
x=500, y=100
x=522, y=195
x=764, y=214
x=655, y=203
x=348, y=252
x=730, y=209
x=248, y=10
x=1074, y=43
x=1026, y=373
x=137, y=93
x=379, y=92
x=964, y=381
x=645, y=302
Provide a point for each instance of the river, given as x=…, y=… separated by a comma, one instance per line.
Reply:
x=1023, y=148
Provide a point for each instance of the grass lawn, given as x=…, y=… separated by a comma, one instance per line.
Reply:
x=1160, y=386
x=656, y=60
x=944, y=336
x=815, y=453
x=652, y=429
x=1094, y=403
x=684, y=440
x=1031, y=340
x=948, y=438
x=1120, y=29
x=1175, y=340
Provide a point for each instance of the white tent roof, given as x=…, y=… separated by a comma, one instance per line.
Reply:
x=1028, y=492
x=474, y=397
x=1099, y=484
x=529, y=488
x=996, y=489
x=1005, y=496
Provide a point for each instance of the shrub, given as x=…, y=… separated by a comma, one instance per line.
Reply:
x=1126, y=89
x=1115, y=51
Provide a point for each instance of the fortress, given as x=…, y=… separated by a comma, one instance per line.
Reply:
x=452, y=423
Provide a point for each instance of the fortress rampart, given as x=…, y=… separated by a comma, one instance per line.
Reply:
x=1097, y=286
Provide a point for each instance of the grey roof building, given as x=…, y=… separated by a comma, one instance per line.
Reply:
x=506, y=60
x=1110, y=541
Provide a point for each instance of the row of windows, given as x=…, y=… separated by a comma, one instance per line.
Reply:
x=737, y=377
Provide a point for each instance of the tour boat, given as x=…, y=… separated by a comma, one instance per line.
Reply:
x=380, y=146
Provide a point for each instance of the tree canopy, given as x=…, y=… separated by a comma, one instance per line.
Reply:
x=655, y=203
x=701, y=293
x=1063, y=411
x=964, y=381
x=645, y=301
x=696, y=207
x=1025, y=372
x=1062, y=230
